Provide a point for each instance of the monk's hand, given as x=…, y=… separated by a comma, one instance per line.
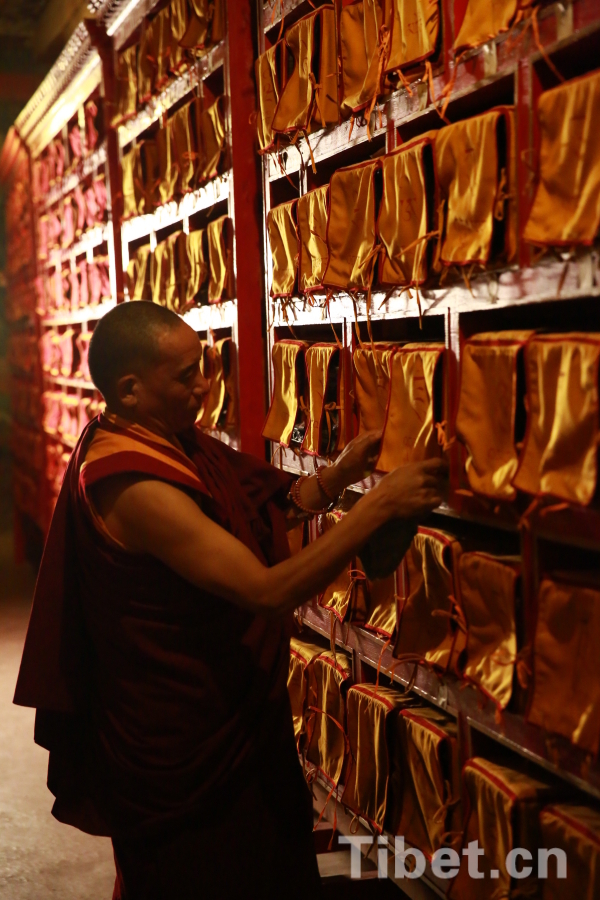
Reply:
x=358, y=459
x=413, y=491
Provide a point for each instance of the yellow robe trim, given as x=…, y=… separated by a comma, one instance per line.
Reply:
x=301, y=656
x=288, y=358
x=566, y=208
x=324, y=413
x=487, y=407
x=430, y=587
x=221, y=284
x=504, y=814
x=484, y=20
x=311, y=213
x=415, y=28
x=561, y=442
x=351, y=229
x=575, y=829
x=370, y=711
x=410, y=434
x=283, y=238
x=488, y=587
x=328, y=678
x=267, y=70
x=346, y=596
x=566, y=663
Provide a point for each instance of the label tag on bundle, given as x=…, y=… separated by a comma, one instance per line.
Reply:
x=564, y=20
x=490, y=59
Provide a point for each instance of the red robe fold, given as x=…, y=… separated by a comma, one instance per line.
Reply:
x=157, y=700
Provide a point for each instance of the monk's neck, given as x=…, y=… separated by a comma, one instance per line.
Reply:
x=149, y=423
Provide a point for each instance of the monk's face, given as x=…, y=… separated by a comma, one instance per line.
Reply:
x=169, y=393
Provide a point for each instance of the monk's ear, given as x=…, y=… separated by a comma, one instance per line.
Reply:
x=127, y=390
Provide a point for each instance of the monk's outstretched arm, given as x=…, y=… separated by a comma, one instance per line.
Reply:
x=154, y=517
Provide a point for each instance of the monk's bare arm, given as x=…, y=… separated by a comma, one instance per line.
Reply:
x=154, y=517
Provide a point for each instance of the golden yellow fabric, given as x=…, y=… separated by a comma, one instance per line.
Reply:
x=487, y=595
x=410, y=434
x=142, y=288
x=218, y=25
x=145, y=76
x=184, y=148
x=267, y=71
x=133, y=188
x=173, y=297
x=326, y=424
x=197, y=33
x=283, y=239
x=566, y=208
x=369, y=714
x=180, y=14
x=127, y=84
x=566, y=663
x=159, y=47
x=346, y=596
x=487, y=407
x=311, y=213
x=158, y=270
x=168, y=170
x=382, y=606
x=288, y=365
x=301, y=656
x=195, y=265
x=228, y=420
x=467, y=156
x=328, y=677
x=415, y=28
x=485, y=20
x=212, y=135
x=310, y=93
x=427, y=790
x=575, y=829
x=351, y=230
x=360, y=28
x=561, y=442
x=221, y=282
x=150, y=176
x=212, y=366
x=425, y=630
x=504, y=814
x=372, y=371
x=404, y=217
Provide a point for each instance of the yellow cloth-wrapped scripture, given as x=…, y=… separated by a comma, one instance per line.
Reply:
x=574, y=829
x=132, y=180
x=488, y=586
x=351, y=228
x=406, y=214
x=362, y=56
x=212, y=140
x=310, y=93
x=301, y=656
x=221, y=282
x=485, y=20
x=145, y=64
x=425, y=780
x=220, y=406
x=566, y=208
x=325, y=432
x=127, y=84
x=560, y=456
x=504, y=815
x=311, y=213
x=474, y=165
x=410, y=434
x=565, y=698
x=268, y=70
x=141, y=287
x=490, y=399
x=372, y=370
x=371, y=712
x=197, y=35
x=283, y=238
x=415, y=29
x=185, y=152
x=326, y=745
x=194, y=252
x=168, y=170
x=382, y=606
x=289, y=402
x=346, y=596
x=429, y=616
x=150, y=176
x=159, y=269
x=159, y=47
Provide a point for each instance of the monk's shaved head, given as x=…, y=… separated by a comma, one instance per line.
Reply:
x=127, y=339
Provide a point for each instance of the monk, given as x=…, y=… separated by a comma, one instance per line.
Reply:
x=158, y=646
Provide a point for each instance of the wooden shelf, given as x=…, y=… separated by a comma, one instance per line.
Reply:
x=70, y=382
x=89, y=241
x=87, y=166
x=77, y=316
x=553, y=753
x=215, y=315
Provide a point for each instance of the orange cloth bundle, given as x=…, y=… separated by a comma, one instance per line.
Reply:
x=268, y=71
x=414, y=33
x=301, y=656
x=346, y=596
x=326, y=425
x=566, y=208
x=326, y=742
x=168, y=170
x=425, y=784
x=283, y=239
x=311, y=214
x=364, y=38
x=221, y=280
x=490, y=419
x=574, y=829
x=485, y=20
x=139, y=283
x=488, y=586
x=382, y=606
x=288, y=415
x=211, y=140
x=560, y=456
x=127, y=84
x=371, y=712
x=504, y=814
x=430, y=627
x=351, y=228
x=372, y=385
x=474, y=166
x=219, y=410
x=309, y=97
x=565, y=697
x=185, y=147
x=193, y=250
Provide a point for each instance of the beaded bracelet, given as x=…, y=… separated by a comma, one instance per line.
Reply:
x=295, y=496
x=320, y=482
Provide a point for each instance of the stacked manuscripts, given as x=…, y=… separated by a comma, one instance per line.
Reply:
x=431, y=225
x=121, y=189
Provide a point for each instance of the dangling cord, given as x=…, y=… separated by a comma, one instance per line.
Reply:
x=356, y=326
x=384, y=40
x=379, y=661
x=328, y=297
x=524, y=521
x=312, y=159
x=536, y=36
x=352, y=121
